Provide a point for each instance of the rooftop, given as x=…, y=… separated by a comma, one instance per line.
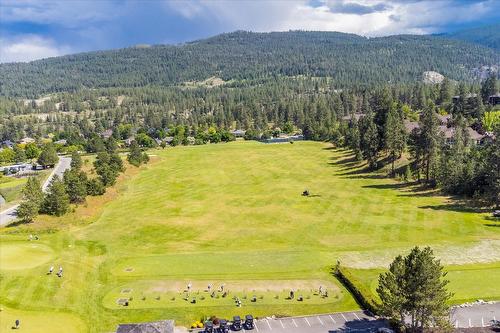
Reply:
x=163, y=326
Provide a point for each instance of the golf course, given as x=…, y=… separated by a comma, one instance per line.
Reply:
x=232, y=217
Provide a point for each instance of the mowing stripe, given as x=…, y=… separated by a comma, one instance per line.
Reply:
x=332, y=318
x=320, y=320
x=307, y=321
x=293, y=320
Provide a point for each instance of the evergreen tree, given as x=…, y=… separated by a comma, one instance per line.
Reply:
x=415, y=288
x=56, y=201
x=429, y=140
x=136, y=156
x=76, y=185
x=395, y=135
x=32, y=198
x=488, y=88
x=369, y=140
x=493, y=170
x=76, y=161
x=95, y=187
x=444, y=92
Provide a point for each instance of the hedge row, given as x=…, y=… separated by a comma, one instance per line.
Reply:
x=361, y=294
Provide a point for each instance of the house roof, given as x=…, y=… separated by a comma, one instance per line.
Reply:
x=356, y=116
x=163, y=326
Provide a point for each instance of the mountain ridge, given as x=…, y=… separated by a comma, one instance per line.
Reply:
x=348, y=58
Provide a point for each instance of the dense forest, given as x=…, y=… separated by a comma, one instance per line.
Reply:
x=363, y=94
x=488, y=36
x=246, y=58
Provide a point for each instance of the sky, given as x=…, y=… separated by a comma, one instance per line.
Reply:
x=35, y=29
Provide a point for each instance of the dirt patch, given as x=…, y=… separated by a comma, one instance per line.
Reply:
x=484, y=251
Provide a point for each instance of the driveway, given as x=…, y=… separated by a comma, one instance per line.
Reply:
x=64, y=163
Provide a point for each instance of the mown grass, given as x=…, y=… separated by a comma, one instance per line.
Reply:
x=234, y=212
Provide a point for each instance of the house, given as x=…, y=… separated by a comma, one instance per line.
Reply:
x=410, y=125
x=7, y=144
x=129, y=141
x=169, y=139
x=238, y=133
x=26, y=140
x=449, y=133
x=107, y=133
x=467, y=97
x=444, y=119
x=356, y=116
x=494, y=99
x=62, y=142
x=163, y=326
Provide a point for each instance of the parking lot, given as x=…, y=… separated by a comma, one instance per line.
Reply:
x=479, y=315
x=357, y=321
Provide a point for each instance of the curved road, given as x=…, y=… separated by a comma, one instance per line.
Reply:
x=9, y=215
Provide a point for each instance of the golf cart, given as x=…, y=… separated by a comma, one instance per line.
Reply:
x=223, y=326
x=249, y=322
x=209, y=327
x=236, y=323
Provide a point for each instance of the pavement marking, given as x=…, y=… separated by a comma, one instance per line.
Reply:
x=269, y=325
x=470, y=324
x=456, y=323
x=256, y=327
x=344, y=317
x=282, y=324
x=320, y=321
x=482, y=322
x=332, y=318
x=293, y=320
x=307, y=321
x=355, y=315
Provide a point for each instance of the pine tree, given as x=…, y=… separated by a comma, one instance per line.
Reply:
x=56, y=201
x=32, y=197
x=76, y=185
x=76, y=161
x=369, y=140
x=488, y=88
x=414, y=289
x=429, y=140
x=395, y=135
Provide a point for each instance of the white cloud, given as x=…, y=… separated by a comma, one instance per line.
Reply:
x=29, y=47
x=365, y=17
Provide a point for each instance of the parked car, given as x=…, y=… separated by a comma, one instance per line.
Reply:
x=496, y=213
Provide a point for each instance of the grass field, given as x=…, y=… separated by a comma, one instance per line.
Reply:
x=233, y=214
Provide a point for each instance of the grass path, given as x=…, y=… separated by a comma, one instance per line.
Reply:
x=233, y=212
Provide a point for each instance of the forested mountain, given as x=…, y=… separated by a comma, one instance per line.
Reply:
x=246, y=57
x=488, y=36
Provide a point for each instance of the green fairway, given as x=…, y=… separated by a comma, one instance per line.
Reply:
x=234, y=214
x=17, y=255
x=36, y=322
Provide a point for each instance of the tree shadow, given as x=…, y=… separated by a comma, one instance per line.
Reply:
x=396, y=186
x=361, y=325
x=460, y=206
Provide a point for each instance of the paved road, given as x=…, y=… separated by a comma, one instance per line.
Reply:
x=478, y=315
x=9, y=215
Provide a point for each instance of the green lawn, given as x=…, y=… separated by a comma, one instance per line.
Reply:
x=233, y=213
